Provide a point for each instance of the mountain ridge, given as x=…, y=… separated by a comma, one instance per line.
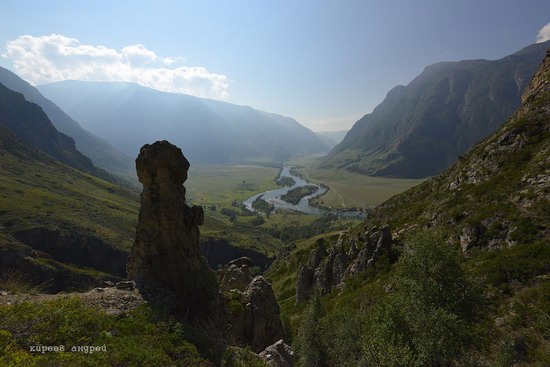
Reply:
x=210, y=131
x=29, y=122
x=99, y=151
x=420, y=129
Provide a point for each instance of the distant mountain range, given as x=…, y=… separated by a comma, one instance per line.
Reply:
x=421, y=129
x=99, y=151
x=28, y=122
x=128, y=115
x=331, y=138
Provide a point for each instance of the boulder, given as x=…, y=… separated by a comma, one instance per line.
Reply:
x=278, y=354
x=235, y=278
x=256, y=322
x=242, y=261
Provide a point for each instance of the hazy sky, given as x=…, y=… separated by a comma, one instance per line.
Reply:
x=325, y=63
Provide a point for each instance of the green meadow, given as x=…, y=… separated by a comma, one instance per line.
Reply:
x=349, y=189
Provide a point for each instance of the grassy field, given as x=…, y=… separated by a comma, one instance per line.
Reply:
x=221, y=184
x=348, y=189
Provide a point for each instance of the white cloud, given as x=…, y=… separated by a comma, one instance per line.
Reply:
x=53, y=58
x=544, y=34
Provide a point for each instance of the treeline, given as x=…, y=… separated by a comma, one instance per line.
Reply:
x=295, y=195
x=293, y=230
x=262, y=206
x=285, y=181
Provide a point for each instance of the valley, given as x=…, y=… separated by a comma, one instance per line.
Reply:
x=153, y=213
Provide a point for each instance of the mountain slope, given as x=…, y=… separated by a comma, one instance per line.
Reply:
x=493, y=207
x=99, y=151
x=29, y=122
x=331, y=138
x=502, y=183
x=60, y=227
x=128, y=115
x=420, y=129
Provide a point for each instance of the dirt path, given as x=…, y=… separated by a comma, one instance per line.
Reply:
x=340, y=197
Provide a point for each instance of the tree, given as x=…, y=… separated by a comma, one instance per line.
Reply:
x=309, y=341
x=427, y=322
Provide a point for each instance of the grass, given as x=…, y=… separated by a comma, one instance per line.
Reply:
x=222, y=184
x=349, y=189
x=146, y=337
x=41, y=193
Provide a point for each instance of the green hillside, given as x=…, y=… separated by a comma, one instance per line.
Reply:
x=471, y=285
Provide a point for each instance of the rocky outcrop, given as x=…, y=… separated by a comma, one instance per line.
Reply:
x=328, y=269
x=235, y=277
x=242, y=261
x=304, y=282
x=278, y=355
x=496, y=195
x=255, y=316
x=166, y=254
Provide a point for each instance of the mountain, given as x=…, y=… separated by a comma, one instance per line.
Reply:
x=60, y=227
x=29, y=122
x=419, y=130
x=99, y=151
x=128, y=115
x=498, y=194
x=331, y=138
x=459, y=263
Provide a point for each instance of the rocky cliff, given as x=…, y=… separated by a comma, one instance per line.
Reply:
x=348, y=257
x=498, y=194
x=421, y=129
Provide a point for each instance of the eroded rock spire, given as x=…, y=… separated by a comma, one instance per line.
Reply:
x=166, y=254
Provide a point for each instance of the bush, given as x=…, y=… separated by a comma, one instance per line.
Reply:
x=309, y=342
x=429, y=320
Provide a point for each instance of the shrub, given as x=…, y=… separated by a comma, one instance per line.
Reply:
x=429, y=320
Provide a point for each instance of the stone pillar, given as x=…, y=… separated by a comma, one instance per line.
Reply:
x=166, y=253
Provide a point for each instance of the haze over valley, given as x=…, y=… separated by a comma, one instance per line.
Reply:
x=279, y=184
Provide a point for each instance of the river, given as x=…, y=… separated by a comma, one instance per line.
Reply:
x=274, y=196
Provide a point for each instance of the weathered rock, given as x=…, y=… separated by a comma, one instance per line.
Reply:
x=245, y=260
x=339, y=266
x=303, y=283
x=317, y=255
x=166, y=253
x=470, y=236
x=235, y=278
x=323, y=275
x=258, y=322
x=378, y=243
x=278, y=355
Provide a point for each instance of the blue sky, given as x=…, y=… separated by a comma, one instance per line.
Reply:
x=325, y=63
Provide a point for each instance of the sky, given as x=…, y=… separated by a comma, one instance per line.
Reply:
x=325, y=63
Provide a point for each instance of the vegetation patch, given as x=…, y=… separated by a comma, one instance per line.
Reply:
x=65, y=332
x=295, y=195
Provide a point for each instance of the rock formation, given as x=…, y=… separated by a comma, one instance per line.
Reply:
x=328, y=269
x=235, y=277
x=166, y=254
x=256, y=316
x=278, y=355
